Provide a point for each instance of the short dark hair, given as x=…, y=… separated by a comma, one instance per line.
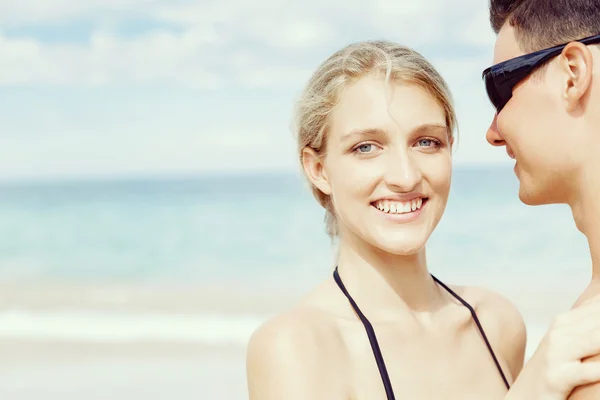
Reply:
x=544, y=23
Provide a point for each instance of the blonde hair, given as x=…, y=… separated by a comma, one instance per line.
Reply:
x=321, y=94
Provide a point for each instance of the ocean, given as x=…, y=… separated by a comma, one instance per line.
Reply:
x=176, y=267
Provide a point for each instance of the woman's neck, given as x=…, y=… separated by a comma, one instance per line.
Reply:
x=386, y=285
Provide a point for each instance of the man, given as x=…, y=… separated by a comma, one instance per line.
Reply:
x=545, y=86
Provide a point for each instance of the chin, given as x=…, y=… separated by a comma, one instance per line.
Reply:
x=393, y=237
x=400, y=247
x=526, y=199
x=532, y=197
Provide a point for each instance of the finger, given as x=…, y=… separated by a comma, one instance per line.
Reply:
x=586, y=309
x=588, y=315
x=587, y=345
x=575, y=342
x=586, y=372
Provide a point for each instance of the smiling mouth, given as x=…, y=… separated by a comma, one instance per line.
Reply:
x=400, y=207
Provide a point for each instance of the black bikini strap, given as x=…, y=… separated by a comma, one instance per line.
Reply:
x=474, y=315
x=372, y=338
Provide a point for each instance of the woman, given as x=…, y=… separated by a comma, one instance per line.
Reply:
x=375, y=129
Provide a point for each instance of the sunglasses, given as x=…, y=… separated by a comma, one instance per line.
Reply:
x=500, y=79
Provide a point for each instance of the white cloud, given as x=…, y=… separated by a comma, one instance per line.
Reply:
x=477, y=30
x=290, y=32
x=272, y=76
x=284, y=36
x=19, y=12
x=159, y=150
x=155, y=57
x=252, y=55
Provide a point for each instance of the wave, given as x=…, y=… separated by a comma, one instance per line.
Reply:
x=121, y=327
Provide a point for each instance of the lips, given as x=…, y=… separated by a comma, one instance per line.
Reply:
x=510, y=153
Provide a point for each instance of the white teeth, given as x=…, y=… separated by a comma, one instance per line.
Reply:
x=397, y=207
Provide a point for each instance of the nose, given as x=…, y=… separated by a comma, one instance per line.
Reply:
x=493, y=134
x=403, y=172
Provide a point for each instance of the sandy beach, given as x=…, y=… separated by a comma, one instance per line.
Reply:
x=67, y=342
x=99, y=341
x=153, y=371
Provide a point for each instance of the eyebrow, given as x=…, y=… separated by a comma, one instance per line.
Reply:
x=378, y=131
x=363, y=132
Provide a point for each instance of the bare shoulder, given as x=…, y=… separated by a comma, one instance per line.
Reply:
x=497, y=308
x=283, y=335
x=295, y=355
x=503, y=324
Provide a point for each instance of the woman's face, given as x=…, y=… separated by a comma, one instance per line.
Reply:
x=387, y=166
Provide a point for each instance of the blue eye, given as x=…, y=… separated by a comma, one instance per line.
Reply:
x=364, y=148
x=429, y=143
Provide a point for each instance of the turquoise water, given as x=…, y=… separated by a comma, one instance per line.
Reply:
x=244, y=242
x=261, y=231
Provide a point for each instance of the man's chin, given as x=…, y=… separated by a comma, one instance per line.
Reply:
x=525, y=197
x=531, y=197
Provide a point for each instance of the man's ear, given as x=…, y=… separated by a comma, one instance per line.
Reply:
x=578, y=63
x=313, y=166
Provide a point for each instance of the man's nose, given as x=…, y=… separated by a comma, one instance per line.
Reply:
x=493, y=135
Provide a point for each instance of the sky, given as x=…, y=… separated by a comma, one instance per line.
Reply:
x=136, y=87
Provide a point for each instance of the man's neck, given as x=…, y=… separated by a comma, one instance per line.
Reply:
x=586, y=212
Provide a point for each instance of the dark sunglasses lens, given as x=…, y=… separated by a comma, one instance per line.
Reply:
x=492, y=91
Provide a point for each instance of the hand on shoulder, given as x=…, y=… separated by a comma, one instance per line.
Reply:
x=588, y=309
x=556, y=368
